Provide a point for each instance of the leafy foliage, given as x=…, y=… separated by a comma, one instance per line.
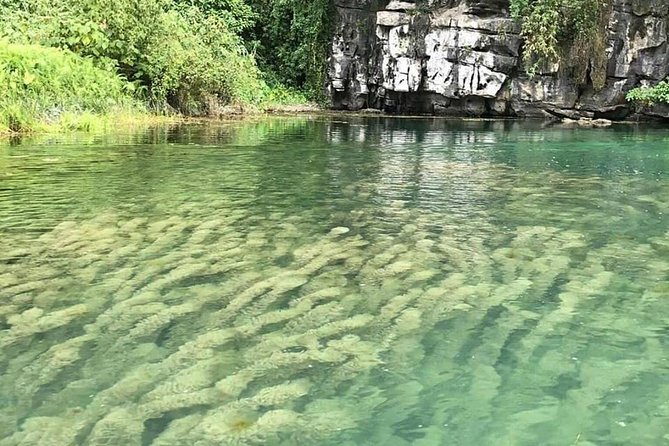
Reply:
x=198, y=61
x=540, y=27
x=650, y=95
x=290, y=40
x=181, y=57
x=238, y=15
x=42, y=84
x=188, y=55
x=570, y=31
x=519, y=8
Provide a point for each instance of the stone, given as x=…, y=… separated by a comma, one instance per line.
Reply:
x=392, y=18
x=339, y=230
x=463, y=57
x=601, y=123
x=586, y=122
x=402, y=74
x=396, y=5
x=399, y=41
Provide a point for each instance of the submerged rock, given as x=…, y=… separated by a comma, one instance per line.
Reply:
x=340, y=230
x=587, y=122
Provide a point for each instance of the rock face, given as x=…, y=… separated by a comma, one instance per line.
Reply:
x=463, y=57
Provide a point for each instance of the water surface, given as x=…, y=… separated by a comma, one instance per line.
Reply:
x=336, y=281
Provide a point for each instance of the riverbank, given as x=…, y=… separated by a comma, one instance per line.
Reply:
x=125, y=121
x=135, y=122
x=50, y=90
x=18, y=122
x=53, y=90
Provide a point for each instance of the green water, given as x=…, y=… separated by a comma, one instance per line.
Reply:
x=336, y=282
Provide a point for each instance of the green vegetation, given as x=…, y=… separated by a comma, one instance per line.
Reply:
x=48, y=85
x=193, y=57
x=650, y=95
x=290, y=39
x=569, y=31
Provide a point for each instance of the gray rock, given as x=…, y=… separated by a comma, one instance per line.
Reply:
x=396, y=5
x=601, y=123
x=586, y=122
x=463, y=57
x=392, y=18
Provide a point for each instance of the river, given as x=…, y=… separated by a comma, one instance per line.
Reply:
x=336, y=281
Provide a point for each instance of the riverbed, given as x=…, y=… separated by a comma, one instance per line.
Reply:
x=336, y=281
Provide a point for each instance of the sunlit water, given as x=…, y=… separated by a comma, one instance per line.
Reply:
x=336, y=282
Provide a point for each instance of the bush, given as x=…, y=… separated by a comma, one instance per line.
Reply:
x=290, y=40
x=200, y=61
x=278, y=95
x=571, y=31
x=40, y=84
x=237, y=14
x=650, y=95
x=180, y=58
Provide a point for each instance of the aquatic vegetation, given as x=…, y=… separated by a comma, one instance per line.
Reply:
x=318, y=341
x=218, y=324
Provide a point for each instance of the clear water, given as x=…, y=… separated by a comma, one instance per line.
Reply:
x=336, y=282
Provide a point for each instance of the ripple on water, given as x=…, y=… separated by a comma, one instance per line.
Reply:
x=344, y=282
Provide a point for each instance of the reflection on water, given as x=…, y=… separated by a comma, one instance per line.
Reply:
x=336, y=281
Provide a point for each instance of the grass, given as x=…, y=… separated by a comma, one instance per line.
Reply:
x=53, y=88
x=50, y=90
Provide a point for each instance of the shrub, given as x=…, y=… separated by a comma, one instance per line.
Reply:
x=571, y=31
x=650, y=95
x=238, y=15
x=290, y=40
x=40, y=84
x=178, y=57
x=200, y=60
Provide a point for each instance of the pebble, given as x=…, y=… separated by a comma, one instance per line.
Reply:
x=339, y=230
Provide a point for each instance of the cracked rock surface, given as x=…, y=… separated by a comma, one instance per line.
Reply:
x=463, y=58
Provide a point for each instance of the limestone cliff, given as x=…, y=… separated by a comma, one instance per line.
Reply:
x=463, y=57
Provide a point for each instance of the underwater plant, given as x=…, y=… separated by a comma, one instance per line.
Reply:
x=181, y=323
